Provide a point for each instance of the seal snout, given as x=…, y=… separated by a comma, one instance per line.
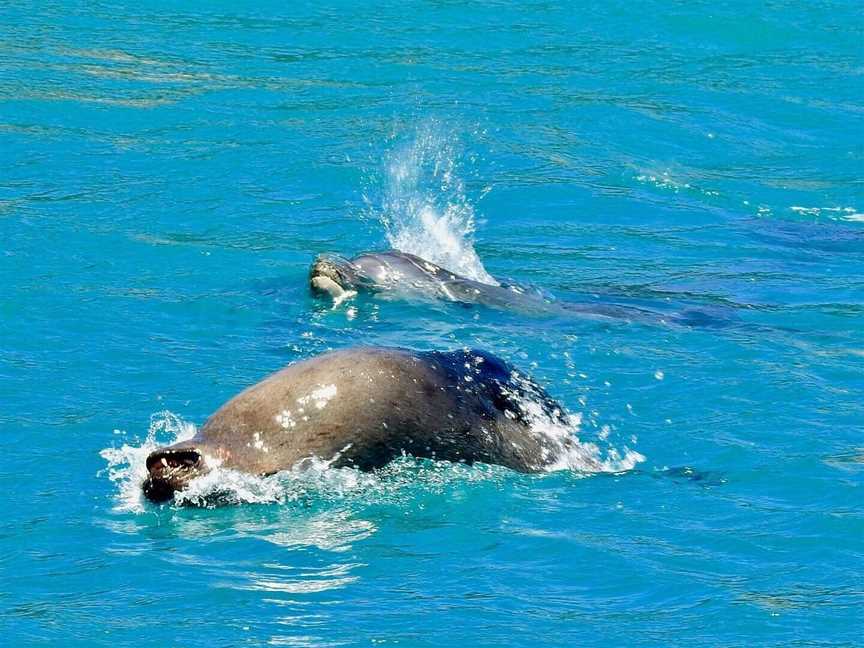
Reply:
x=170, y=471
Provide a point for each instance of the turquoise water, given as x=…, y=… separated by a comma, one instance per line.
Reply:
x=169, y=170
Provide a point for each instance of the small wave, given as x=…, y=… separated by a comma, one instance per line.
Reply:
x=843, y=213
x=424, y=207
x=669, y=181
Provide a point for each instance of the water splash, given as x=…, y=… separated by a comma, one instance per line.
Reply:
x=424, y=207
x=127, y=466
x=559, y=431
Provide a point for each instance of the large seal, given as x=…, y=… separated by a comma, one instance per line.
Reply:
x=363, y=407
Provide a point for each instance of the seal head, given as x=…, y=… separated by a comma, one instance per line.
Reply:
x=329, y=270
x=171, y=470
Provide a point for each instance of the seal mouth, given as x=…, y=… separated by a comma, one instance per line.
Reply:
x=171, y=471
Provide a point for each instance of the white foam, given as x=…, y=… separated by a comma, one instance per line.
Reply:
x=843, y=213
x=314, y=479
x=424, y=207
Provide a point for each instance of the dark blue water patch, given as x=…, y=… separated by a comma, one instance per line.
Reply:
x=686, y=474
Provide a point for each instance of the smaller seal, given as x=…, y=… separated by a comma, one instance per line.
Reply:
x=408, y=276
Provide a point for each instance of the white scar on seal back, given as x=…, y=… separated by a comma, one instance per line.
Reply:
x=285, y=419
x=259, y=443
x=320, y=396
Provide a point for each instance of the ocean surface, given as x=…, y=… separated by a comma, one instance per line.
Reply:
x=169, y=170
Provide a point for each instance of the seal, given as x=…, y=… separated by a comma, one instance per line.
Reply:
x=365, y=406
x=407, y=276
